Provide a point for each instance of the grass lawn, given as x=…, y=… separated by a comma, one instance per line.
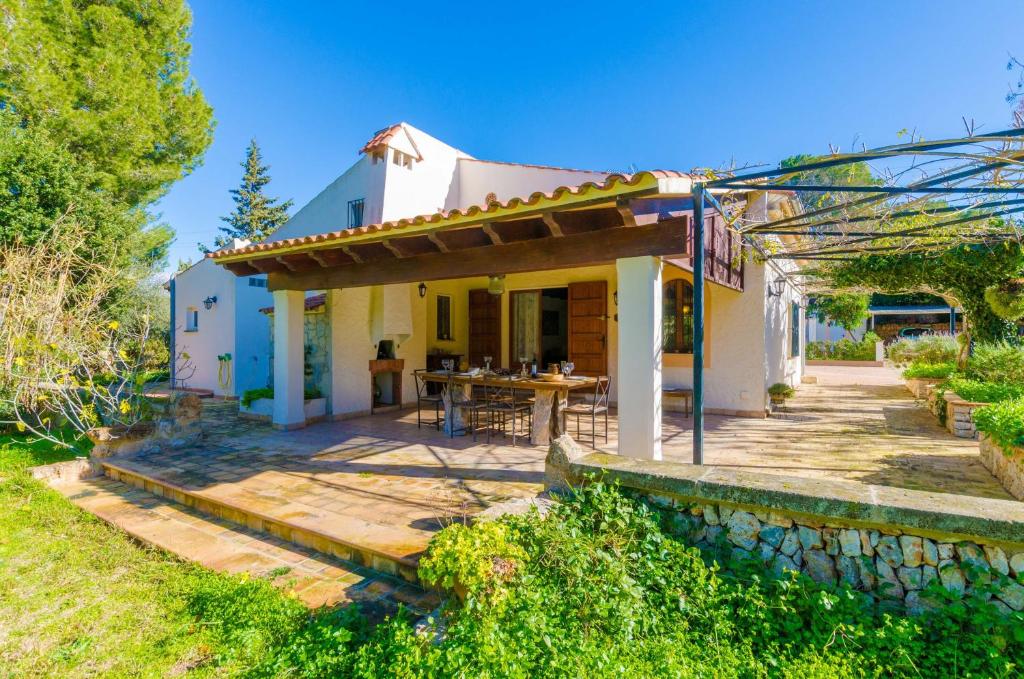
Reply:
x=79, y=598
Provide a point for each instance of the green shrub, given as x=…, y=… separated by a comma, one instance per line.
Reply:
x=920, y=370
x=268, y=392
x=609, y=587
x=781, y=390
x=844, y=349
x=997, y=362
x=925, y=349
x=1003, y=422
x=984, y=392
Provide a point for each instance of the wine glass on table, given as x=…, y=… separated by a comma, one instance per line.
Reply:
x=487, y=363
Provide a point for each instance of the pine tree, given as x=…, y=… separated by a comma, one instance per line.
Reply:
x=256, y=215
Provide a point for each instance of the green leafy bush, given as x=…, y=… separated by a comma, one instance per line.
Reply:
x=984, y=392
x=920, y=370
x=781, y=390
x=1003, y=422
x=844, y=349
x=938, y=348
x=608, y=587
x=251, y=395
x=997, y=362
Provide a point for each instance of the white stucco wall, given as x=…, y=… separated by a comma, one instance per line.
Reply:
x=782, y=365
x=735, y=367
x=251, y=357
x=328, y=211
x=477, y=178
x=216, y=331
x=353, y=314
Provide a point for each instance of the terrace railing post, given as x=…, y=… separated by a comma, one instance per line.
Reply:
x=698, y=323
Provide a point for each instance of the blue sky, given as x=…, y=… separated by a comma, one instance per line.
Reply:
x=598, y=86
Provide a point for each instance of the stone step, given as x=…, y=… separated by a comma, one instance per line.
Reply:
x=317, y=579
x=385, y=548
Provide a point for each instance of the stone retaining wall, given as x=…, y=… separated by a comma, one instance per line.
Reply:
x=1007, y=467
x=960, y=416
x=920, y=386
x=890, y=543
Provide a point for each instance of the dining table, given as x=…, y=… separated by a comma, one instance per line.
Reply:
x=550, y=398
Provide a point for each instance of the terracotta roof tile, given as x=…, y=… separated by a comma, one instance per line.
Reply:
x=314, y=302
x=381, y=137
x=436, y=218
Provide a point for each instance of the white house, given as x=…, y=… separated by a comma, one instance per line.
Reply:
x=421, y=250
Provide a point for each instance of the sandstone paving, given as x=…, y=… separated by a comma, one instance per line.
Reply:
x=383, y=481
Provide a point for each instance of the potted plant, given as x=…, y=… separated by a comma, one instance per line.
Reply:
x=779, y=392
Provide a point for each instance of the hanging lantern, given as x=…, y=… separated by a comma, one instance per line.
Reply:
x=496, y=284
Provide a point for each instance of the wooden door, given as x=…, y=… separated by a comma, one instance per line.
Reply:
x=588, y=327
x=484, y=328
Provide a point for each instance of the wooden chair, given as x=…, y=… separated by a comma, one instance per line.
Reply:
x=423, y=397
x=593, y=408
x=506, y=405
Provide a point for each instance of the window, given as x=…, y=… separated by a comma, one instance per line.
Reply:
x=677, y=318
x=377, y=155
x=444, y=317
x=402, y=159
x=192, y=319
x=794, y=329
x=355, y=213
x=257, y=282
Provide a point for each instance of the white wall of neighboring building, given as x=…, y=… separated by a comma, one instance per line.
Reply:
x=232, y=326
x=215, y=333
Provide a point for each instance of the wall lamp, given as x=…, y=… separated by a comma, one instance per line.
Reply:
x=615, y=296
x=423, y=290
x=209, y=302
x=777, y=287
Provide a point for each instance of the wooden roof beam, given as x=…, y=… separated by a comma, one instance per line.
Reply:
x=492, y=234
x=393, y=249
x=438, y=243
x=552, y=224
x=348, y=251
x=626, y=212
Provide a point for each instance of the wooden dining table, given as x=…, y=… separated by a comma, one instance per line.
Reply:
x=550, y=399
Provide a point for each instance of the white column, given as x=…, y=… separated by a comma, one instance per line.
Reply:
x=639, y=281
x=289, y=308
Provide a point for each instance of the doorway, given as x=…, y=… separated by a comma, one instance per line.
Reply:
x=539, y=326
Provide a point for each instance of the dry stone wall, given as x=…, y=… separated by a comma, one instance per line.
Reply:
x=1007, y=466
x=889, y=564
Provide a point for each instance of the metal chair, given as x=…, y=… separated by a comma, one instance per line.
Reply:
x=598, y=406
x=423, y=396
x=505, y=404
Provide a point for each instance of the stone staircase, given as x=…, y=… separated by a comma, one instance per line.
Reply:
x=317, y=573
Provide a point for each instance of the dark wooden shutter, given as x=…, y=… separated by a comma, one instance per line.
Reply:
x=588, y=327
x=484, y=328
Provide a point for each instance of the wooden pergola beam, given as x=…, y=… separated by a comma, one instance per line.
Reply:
x=666, y=238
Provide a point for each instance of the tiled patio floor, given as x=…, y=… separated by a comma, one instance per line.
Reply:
x=382, y=479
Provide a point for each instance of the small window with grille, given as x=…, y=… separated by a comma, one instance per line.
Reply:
x=355, y=213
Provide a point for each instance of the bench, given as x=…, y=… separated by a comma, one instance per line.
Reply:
x=678, y=394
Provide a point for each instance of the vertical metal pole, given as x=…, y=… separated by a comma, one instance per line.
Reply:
x=698, y=323
x=952, y=320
